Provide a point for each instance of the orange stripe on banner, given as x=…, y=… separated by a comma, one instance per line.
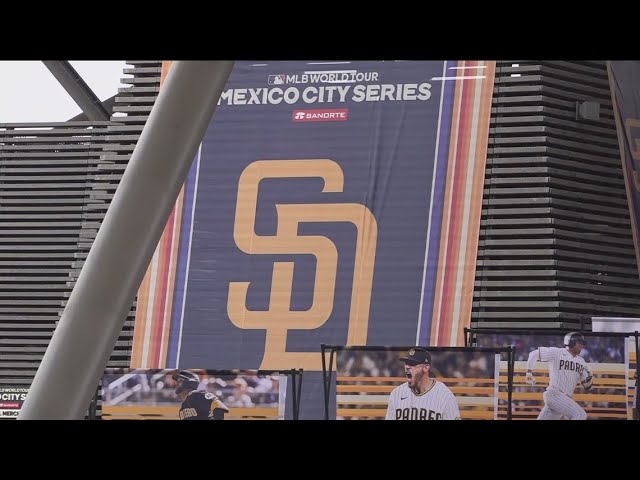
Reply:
x=450, y=270
x=166, y=66
x=475, y=210
x=140, y=320
x=465, y=213
x=164, y=246
x=437, y=304
x=461, y=192
x=157, y=292
x=143, y=319
x=166, y=277
x=139, y=339
x=149, y=346
x=173, y=263
x=457, y=209
x=161, y=294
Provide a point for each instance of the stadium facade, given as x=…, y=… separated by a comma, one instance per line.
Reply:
x=554, y=246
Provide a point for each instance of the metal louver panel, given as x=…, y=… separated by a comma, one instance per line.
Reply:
x=555, y=238
x=56, y=182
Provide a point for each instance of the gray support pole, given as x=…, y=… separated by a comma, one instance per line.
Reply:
x=92, y=320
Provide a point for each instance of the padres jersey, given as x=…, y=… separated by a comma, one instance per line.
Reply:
x=199, y=405
x=437, y=403
x=565, y=370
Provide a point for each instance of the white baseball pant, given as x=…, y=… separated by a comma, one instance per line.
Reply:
x=558, y=404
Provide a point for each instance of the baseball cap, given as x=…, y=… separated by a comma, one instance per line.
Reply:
x=417, y=356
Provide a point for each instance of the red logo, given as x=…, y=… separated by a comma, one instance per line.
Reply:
x=321, y=115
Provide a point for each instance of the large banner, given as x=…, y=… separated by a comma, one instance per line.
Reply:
x=606, y=357
x=624, y=81
x=130, y=394
x=334, y=203
x=11, y=400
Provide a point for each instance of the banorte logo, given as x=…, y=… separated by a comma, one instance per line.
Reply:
x=321, y=115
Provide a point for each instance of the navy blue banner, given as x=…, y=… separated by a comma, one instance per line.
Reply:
x=292, y=195
x=330, y=203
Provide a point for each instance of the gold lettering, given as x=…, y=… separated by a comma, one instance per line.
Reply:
x=279, y=318
x=187, y=413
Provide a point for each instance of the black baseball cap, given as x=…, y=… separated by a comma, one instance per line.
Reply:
x=417, y=356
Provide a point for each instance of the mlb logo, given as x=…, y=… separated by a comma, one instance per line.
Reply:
x=276, y=79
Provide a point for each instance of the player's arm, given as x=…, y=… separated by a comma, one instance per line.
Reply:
x=390, y=406
x=541, y=354
x=586, y=378
x=534, y=356
x=451, y=411
x=218, y=409
x=212, y=405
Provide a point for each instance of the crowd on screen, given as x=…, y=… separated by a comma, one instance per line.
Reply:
x=156, y=387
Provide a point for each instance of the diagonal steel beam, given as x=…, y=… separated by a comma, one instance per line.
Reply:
x=82, y=343
x=77, y=88
x=108, y=105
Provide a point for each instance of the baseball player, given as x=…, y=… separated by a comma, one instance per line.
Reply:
x=421, y=397
x=566, y=368
x=197, y=404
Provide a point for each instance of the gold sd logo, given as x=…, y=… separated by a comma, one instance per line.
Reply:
x=279, y=318
x=632, y=127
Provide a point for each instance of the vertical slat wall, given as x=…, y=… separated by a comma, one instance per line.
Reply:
x=555, y=240
x=56, y=183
